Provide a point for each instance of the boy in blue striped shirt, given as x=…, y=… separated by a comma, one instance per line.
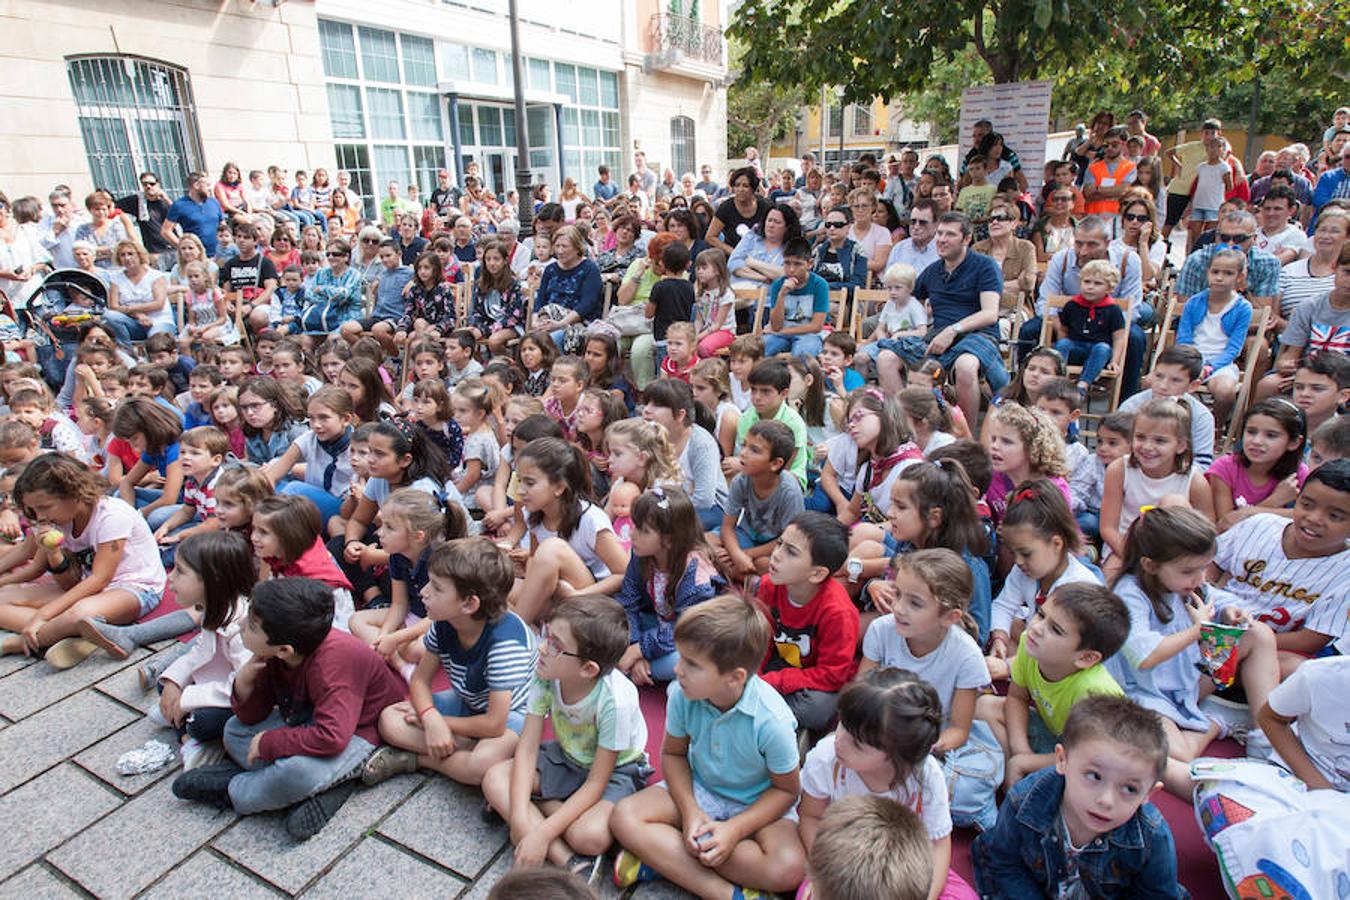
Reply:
x=489, y=655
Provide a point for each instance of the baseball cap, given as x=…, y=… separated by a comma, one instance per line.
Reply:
x=442, y=173
x=892, y=158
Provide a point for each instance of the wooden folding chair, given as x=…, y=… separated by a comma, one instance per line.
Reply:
x=834, y=319
x=610, y=291
x=1164, y=335
x=865, y=303
x=1252, y=353
x=747, y=297
x=1116, y=378
x=232, y=301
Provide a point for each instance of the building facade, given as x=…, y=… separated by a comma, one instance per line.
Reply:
x=826, y=127
x=390, y=90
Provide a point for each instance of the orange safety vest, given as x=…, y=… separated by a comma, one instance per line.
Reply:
x=1099, y=173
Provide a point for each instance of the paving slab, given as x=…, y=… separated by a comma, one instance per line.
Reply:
x=33, y=687
x=260, y=842
x=101, y=758
x=44, y=739
x=375, y=868
x=38, y=883
x=152, y=834
x=482, y=885
x=125, y=686
x=659, y=890
x=442, y=822
x=13, y=662
x=42, y=813
x=205, y=874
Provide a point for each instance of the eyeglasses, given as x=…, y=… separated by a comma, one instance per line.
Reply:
x=370, y=240
x=836, y=224
x=553, y=647
x=1135, y=217
x=859, y=415
x=1000, y=217
x=1234, y=238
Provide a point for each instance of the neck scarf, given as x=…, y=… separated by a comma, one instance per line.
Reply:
x=1104, y=303
x=334, y=449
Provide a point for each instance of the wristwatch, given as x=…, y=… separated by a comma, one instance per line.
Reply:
x=956, y=327
x=854, y=568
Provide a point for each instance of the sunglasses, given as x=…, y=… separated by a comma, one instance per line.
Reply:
x=1234, y=238
x=1135, y=217
x=836, y=224
x=149, y=183
x=336, y=255
x=1000, y=217
x=369, y=240
x=914, y=222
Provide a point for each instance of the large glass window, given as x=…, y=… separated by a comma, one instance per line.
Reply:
x=484, y=66
x=862, y=120
x=379, y=55
x=390, y=126
x=135, y=115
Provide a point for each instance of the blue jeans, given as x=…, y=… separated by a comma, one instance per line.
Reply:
x=1089, y=522
x=146, y=496
x=286, y=781
x=985, y=350
x=448, y=703
x=710, y=518
x=796, y=344
x=124, y=329
x=819, y=501
x=1092, y=355
x=1030, y=333
x=663, y=667
x=328, y=504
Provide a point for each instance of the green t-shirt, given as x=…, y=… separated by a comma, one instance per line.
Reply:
x=609, y=717
x=792, y=419
x=974, y=200
x=1054, y=699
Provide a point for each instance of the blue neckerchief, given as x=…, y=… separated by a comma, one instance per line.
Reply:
x=334, y=449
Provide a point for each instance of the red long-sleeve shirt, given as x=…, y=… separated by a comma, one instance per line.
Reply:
x=346, y=683
x=813, y=645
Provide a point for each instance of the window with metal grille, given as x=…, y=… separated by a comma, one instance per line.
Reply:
x=862, y=120
x=136, y=115
x=681, y=145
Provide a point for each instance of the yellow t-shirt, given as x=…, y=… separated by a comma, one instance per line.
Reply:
x=1054, y=699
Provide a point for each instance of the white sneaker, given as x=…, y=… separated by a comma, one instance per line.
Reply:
x=197, y=755
x=154, y=715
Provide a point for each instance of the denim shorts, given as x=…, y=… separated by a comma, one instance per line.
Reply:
x=448, y=704
x=147, y=600
x=984, y=349
x=1204, y=215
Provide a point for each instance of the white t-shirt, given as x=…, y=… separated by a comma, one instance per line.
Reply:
x=113, y=519
x=1315, y=695
x=142, y=292
x=1290, y=236
x=481, y=445
x=924, y=792
x=895, y=318
x=1210, y=338
x=740, y=395
x=881, y=494
x=1286, y=594
x=936, y=441
x=1209, y=185
x=1018, y=597
x=317, y=462
x=843, y=455
x=877, y=236
x=956, y=664
x=593, y=521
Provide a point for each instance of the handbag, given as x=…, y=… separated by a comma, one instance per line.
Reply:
x=629, y=319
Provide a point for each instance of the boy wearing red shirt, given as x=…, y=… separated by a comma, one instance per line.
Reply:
x=815, y=625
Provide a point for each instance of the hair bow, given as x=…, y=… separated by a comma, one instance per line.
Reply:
x=1024, y=494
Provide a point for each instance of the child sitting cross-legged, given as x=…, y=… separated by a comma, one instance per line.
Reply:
x=305, y=709
x=815, y=625
x=1058, y=663
x=762, y=499
x=718, y=825
x=866, y=847
x=557, y=795
x=489, y=654
x=889, y=720
x=1085, y=828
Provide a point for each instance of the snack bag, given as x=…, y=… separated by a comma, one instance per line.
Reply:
x=1218, y=651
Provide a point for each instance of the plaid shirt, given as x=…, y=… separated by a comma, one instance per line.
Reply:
x=1263, y=273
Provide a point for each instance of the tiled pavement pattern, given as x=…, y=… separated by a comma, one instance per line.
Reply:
x=73, y=827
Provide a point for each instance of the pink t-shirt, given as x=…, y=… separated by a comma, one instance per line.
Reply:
x=1230, y=470
x=1000, y=486
x=113, y=519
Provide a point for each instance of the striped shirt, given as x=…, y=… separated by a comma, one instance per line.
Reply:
x=502, y=659
x=1287, y=594
x=1298, y=285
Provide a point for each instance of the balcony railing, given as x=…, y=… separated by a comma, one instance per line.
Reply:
x=674, y=37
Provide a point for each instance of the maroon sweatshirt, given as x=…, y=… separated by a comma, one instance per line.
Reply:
x=345, y=682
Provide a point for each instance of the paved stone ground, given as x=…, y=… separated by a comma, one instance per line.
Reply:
x=76, y=828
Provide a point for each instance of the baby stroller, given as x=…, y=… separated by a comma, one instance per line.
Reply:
x=51, y=311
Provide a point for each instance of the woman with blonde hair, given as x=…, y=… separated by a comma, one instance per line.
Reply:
x=138, y=297
x=1015, y=255
x=570, y=198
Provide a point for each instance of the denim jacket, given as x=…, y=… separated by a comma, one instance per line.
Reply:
x=1023, y=856
x=853, y=264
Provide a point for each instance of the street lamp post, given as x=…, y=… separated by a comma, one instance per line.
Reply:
x=524, y=201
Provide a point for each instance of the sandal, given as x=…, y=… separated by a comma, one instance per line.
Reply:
x=385, y=763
